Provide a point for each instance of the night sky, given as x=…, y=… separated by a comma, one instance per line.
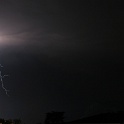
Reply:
x=61, y=55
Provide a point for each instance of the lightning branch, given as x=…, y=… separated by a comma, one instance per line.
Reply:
x=2, y=83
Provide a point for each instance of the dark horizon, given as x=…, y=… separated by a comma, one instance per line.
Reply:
x=61, y=56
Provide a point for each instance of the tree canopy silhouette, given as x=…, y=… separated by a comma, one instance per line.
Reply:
x=54, y=118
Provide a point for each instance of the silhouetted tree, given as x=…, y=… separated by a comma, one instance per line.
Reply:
x=39, y=123
x=54, y=118
x=10, y=121
x=2, y=121
x=17, y=121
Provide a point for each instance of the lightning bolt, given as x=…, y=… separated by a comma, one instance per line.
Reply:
x=2, y=83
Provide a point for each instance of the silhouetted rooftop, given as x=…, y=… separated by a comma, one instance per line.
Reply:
x=117, y=117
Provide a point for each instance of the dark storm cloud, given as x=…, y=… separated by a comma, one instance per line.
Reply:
x=56, y=25
x=22, y=24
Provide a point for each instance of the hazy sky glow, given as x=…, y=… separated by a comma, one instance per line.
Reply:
x=61, y=55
